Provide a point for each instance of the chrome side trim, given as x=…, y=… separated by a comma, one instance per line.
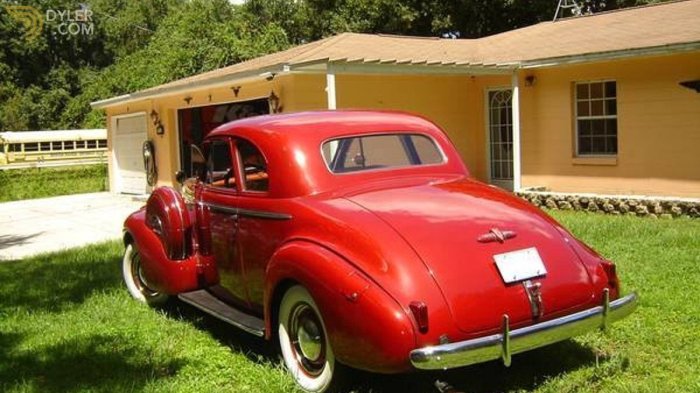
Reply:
x=263, y=214
x=221, y=209
x=507, y=343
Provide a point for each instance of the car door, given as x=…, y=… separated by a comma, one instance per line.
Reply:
x=262, y=219
x=219, y=199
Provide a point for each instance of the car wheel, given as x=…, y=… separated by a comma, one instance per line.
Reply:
x=133, y=277
x=304, y=344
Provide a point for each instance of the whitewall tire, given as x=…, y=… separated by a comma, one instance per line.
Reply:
x=133, y=278
x=304, y=344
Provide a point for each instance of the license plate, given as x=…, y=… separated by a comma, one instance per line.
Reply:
x=520, y=265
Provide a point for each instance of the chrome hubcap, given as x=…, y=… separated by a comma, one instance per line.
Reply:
x=137, y=274
x=308, y=339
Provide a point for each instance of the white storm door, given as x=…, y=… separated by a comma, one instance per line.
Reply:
x=129, y=135
x=500, y=138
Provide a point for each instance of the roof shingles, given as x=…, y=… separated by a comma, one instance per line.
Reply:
x=659, y=25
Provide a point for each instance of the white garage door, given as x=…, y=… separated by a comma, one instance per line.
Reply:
x=129, y=135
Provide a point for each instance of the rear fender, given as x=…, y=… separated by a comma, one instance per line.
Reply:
x=367, y=328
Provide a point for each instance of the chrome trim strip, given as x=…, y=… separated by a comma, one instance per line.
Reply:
x=263, y=214
x=221, y=208
x=502, y=345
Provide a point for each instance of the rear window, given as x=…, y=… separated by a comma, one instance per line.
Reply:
x=361, y=153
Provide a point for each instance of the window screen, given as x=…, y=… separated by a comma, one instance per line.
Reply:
x=380, y=151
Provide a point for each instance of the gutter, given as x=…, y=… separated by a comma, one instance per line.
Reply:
x=611, y=55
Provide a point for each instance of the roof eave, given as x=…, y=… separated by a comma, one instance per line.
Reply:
x=259, y=73
x=612, y=55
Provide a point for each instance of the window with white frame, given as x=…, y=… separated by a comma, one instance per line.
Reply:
x=596, y=118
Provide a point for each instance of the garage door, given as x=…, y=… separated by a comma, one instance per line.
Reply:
x=129, y=135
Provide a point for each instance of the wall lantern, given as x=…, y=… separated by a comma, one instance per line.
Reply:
x=155, y=119
x=530, y=80
x=274, y=103
x=693, y=85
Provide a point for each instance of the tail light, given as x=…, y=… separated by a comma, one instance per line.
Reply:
x=613, y=282
x=420, y=313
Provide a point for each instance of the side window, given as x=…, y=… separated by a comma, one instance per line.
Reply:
x=253, y=166
x=220, y=166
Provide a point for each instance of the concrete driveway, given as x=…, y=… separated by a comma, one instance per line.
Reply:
x=51, y=224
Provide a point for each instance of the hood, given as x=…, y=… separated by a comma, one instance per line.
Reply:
x=449, y=225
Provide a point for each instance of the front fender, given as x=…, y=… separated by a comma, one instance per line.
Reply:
x=367, y=328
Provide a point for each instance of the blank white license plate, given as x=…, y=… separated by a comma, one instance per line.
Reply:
x=520, y=265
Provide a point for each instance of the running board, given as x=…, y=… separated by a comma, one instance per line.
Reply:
x=208, y=303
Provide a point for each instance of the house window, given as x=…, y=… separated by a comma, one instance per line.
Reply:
x=596, y=118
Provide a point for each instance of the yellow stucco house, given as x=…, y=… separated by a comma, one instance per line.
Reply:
x=606, y=104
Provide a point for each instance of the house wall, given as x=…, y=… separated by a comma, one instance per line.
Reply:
x=658, y=129
x=658, y=120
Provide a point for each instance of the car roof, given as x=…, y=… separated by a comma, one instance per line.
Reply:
x=291, y=145
x=328, y=124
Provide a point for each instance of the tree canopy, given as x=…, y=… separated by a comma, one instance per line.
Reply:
x=48, y=81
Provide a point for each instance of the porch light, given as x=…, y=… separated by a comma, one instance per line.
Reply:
x=155, y=119
x=274, y=103
x=530, y=80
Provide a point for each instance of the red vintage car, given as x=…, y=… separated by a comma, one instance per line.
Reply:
x=359, y=238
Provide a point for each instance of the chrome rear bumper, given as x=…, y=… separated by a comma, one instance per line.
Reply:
x=506, y=343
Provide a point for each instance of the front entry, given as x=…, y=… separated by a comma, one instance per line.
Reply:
x=500, y=138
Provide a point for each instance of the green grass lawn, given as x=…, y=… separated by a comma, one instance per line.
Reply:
x=67, y=324
x=17, y=184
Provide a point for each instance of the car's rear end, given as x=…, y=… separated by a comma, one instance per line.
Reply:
x=512, y=278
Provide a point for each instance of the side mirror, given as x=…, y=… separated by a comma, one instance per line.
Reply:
x=180, y=177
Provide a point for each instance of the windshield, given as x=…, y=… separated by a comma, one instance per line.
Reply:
x=370, y=152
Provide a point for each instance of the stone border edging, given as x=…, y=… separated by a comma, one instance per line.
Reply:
x=616, y=205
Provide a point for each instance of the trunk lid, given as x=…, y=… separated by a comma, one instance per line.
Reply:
x=443, y=222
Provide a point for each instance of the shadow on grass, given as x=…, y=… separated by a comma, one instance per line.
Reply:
x=256, y=349
x=528, y=371
x=97, y=363
x=51, y=282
